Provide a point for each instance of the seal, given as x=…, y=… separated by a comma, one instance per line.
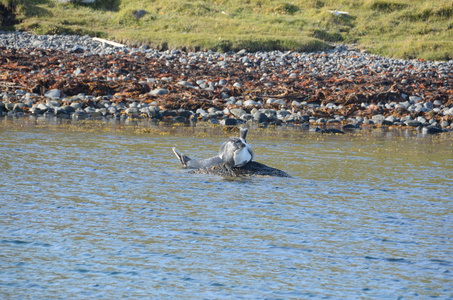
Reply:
x=233, y=153
x=236, y=152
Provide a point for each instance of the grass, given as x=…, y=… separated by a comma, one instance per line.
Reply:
x=395, y=28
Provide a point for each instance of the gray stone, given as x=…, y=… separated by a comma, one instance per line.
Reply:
x=89, y=110
x=437, y=103
x=391, y=119
x=414, y=99
x=270, y=114
x=77, y=72
x=444, y=124
x=237, y=112
x=169, y=113
x=159, y=92
x=421, y=120
x=246, y=117
x=18, y=107
x=428, y=105
x=131, y=111
x=54, y=94
x=412, y=123
x=281, y=114
x=260, y=117
x=378, y=119
x=42, y=106
x=251, y=103
x=185, y=84
x=229, y=122
x=68, y=108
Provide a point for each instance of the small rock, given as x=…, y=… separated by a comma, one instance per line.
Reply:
x=431, y=130
x=54, y=94
x=159, y=92
x=412, y=123
x=42, y=106
x=77, y=49
x=260, y=117
x=68, y=108
x=251, y=103
x=378, y=119
x=185, y=84
x=131, y=111
x=428, y=105
x=444, y=124
x=77, y=72
x=237, y=112
x=391, y=119
x=421, y=120
x=414, y=99
x=169, y=113
x=229, y=122
x=18, y=107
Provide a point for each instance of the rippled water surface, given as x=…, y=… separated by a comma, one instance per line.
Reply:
x=108, y=213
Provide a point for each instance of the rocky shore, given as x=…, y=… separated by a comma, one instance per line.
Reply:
x=79, y=78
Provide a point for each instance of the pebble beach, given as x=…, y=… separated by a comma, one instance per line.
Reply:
x=77, y=77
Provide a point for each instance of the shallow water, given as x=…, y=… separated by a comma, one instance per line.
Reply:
x=106, y=212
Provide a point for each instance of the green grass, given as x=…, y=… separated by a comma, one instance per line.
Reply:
x=394, y=28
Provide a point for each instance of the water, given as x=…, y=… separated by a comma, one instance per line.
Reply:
x=96, y=211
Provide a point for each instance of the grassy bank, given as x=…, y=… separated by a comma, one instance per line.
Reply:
x=395, y=28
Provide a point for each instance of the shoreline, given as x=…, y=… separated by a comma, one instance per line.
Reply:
x=74, y=77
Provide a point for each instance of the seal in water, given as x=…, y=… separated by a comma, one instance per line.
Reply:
x=233, y=153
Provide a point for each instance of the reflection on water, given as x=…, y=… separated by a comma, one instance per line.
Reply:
x=109, y=213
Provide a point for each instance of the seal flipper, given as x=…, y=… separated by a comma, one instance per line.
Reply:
x=182, y=158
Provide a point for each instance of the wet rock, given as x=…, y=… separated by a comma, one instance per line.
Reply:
x=260, y=117
x=229, y=122
x=169, y=113
x=133, y=111
x=412, y=123
x=270, y=114
x=431, y=130
x=42, y=107
x=350, y=127
x=282, y=114
x=68, y=108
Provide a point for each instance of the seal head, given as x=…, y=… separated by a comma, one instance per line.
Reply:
x=236, y=152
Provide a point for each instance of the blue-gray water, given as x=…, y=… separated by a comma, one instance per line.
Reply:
x=110, y=214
